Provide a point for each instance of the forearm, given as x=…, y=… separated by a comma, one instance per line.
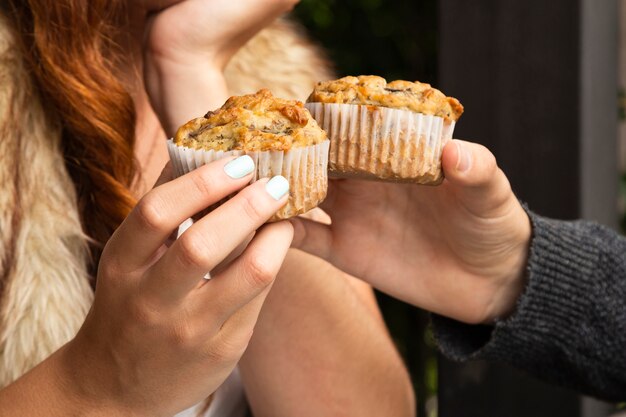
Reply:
x=319, y=350
x=568, y=325
x=182, y=92
x=48, y=390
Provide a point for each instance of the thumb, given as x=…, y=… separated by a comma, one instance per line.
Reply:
x=312, y=237
x=473, y=172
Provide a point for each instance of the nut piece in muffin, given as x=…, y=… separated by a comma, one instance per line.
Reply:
x=280, y=135
x=389, y=131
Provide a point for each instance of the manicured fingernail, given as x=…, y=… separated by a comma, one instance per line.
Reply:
x=277, y=187
x=464, y=161
x=240, y=167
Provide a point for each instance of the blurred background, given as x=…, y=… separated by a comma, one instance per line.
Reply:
x=544, y=86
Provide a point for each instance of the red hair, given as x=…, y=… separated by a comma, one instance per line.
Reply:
x=71, y=49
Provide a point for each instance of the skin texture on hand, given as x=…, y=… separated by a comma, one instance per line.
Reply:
x=159, y=338
x=458, y=249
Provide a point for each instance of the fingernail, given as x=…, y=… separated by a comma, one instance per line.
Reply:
x=464, y=161
x=277, y=187
x=240, y=167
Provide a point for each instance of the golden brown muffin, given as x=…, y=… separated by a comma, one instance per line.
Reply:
x=256, y=122
x=279, y=135
x=388, y=131
x=375, y=91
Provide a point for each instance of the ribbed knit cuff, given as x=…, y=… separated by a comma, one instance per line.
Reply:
x=560, y=278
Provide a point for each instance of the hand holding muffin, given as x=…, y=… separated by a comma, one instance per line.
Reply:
x=387, y=131
x=458, y=249
x=163, y=324
x=279, y=135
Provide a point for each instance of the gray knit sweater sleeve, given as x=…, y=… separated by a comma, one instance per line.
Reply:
x=569, y=327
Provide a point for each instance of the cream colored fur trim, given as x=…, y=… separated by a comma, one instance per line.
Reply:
x=48, y=293
x=279, y=58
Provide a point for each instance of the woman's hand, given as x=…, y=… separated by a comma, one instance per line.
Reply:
x=458, y=249
x=187, y=45
x=207, y=32
x=160, y=338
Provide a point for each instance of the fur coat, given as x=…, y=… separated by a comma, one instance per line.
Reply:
x=44, y=288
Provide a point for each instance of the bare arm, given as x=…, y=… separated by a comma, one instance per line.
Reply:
x=47, y=391
x=320, y=348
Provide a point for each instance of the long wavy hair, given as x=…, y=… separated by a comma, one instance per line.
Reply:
x=71, y=48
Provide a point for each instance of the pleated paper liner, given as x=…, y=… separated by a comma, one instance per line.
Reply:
x=305, y=168
x=380, y=143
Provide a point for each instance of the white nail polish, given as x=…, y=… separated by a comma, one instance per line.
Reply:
x=240, y=167
x=277, y=187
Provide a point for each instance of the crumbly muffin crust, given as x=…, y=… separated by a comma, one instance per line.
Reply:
x=255, y=122
x=375, y=91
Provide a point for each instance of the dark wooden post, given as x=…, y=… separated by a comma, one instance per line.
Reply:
x=539, y=81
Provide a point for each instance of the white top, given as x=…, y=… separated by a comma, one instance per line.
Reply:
x=229, y=400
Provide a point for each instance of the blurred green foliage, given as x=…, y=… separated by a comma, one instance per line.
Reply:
x=396, y=39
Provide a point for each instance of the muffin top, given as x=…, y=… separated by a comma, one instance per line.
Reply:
x=255, y=122
x=375, y=91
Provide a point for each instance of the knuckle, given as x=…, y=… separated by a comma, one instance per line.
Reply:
x=109, y=267
x=150, y=214
x=203, y=182
x=183, y=334
x=259, y=271
x=194, y=251
x=490, y=163
x=112, y=271
x=226, y=349
x=252, y=208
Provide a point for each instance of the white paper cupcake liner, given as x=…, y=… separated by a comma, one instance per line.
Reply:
x=383, y=143
x=305, y=168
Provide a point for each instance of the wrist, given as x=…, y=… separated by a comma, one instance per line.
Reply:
x=181, y=91
x=52, y=388
x=183, y=60
x=514, y=279
x=85, y=388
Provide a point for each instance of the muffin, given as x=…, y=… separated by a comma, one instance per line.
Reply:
x=388, y=131
x=280, y=135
